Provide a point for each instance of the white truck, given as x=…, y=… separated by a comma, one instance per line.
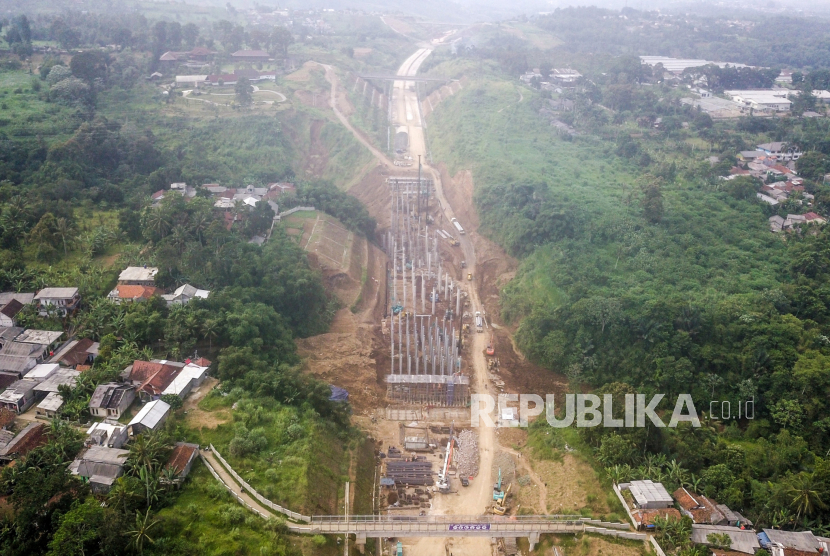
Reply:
x=457, y=226
x=479, y=322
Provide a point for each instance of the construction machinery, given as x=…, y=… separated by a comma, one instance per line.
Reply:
x=470, y=276
x=444, y=475
x=463, y=264
x=497, y=492
x=479, y=322
x=399, y=549
x=491, y=348
x=500, y=507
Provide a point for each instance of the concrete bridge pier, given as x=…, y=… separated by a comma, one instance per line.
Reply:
x=360, y=541
x=533, y=538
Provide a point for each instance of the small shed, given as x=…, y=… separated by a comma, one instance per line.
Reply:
x=50, y=406
x=181, y=460
x=151, y=417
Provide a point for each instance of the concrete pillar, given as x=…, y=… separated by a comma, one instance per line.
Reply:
x=360, y=541
x=533, y=538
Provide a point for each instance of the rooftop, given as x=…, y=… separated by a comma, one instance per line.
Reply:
x=135, y=292
x=41, y=337
x=28, y=439
x=42, y=371
x=648, y=491
x=804, y=540
x=138, y=274
x=151, y=414
x=56, y=293
x=52, y=402
x=17, y=389
x=743, y=540
x=24, y=298
x=63, y=377
x=181, y=455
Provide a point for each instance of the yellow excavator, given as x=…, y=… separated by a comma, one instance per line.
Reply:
x=500, y=507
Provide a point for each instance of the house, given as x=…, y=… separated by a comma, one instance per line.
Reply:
x=700, y=508
x=750, y=156
x=17, y=366
x=275, y=190
x=138, y=276
x=184, y=294
x=61, y=377
x=222, y=79
x=822, y=96
x=733, y=518
x=191, y=376
x=813, y=218
x=19, y=396
x=191, y=80
x=181, y=460
x=767, y=199
x=789, y=543
x=796, y=219
x=565, y=75
x=24, y=298
x=9, y=311
x=173, y=57
x=111, y=400
x=31, y=437
x=151, y=417
x=62, y=300
x=644, y=519
x=42, y=371
x=100, y=466
x=781, y=150
x=202, y=54
x=777, y=224
x=250, y=56
x=111, y=434
x=124, y=293
x=76, y=352
x=151, y=377
x=649, y=495
x=742, y=540
x=46, y=338
x=50, y=405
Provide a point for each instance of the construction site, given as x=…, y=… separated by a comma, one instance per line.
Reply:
x=425, y=307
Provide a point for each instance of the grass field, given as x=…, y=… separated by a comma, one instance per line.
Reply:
x=24, y=111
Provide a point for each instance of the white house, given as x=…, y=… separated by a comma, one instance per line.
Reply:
x=63, y=300
x=184, y=294
x=138, y=276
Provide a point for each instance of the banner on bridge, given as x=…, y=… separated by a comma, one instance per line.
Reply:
x=469, y=526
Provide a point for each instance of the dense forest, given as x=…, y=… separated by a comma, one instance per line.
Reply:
x=642, y=270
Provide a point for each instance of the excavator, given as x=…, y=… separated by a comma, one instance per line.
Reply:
x=500, y=507
x=491, y=348
x=497, y=492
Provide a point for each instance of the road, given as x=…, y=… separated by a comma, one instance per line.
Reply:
x=477, y=498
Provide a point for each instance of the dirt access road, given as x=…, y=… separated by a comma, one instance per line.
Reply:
x=477, y=498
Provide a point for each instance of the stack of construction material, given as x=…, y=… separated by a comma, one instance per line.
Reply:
x=467, y=457
x=410, y=472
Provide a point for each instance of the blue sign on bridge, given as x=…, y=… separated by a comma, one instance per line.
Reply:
x=469, y=527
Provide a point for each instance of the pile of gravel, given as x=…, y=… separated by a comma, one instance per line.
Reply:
x=467, y=455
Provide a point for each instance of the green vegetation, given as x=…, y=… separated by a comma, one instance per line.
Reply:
x=642, y=271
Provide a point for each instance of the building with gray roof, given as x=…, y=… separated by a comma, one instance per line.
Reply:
x=100, y=466
x=649, y=495
x=743, y=540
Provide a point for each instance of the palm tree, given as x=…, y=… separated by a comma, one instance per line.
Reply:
x=200, y=223
x=804, y=491
x=159, y=222
x=140, y=534
x=150, y=482
x=210, y=329
x=121, y=493
x=64, y=229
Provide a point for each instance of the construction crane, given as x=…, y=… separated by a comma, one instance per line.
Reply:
x=497, y=492
x=443, y=476
x=500, y=507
